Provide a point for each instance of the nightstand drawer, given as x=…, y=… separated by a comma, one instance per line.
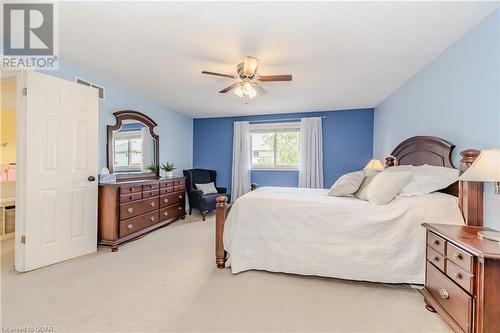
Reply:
x=436, y=242
x=454, y=300
x=460, y=257
x=436, y=258
x=460, y=276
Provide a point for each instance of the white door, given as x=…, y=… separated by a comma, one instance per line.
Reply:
x=57, y=170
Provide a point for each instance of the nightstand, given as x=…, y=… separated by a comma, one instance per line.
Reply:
x=462, y=280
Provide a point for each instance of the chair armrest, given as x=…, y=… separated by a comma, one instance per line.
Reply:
x=221, y=190
x=198, y=193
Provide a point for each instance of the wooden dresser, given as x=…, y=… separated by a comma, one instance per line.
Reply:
x=129, y=209
x=463, y=278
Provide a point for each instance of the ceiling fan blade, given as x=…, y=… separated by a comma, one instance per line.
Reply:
x=250, y=65
x=231, y=87
x=219, y=74
x=260, y=89
x=269, y=78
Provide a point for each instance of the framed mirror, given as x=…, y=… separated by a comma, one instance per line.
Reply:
x=133, y=146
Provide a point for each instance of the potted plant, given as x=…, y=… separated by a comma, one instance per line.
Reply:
x=168, y=168
x=152, y=168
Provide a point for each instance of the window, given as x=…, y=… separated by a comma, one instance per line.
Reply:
x=275, y=145
x=127, y=150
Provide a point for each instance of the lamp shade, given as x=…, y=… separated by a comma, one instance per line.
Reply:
x=374, y=165
x=486, y=168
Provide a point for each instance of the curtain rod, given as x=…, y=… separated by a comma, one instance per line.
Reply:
x=278, y=120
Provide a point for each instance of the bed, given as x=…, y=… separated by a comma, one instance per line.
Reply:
x=307, y=232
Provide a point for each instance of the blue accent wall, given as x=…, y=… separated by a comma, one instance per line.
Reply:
x=456, y=97
x=347, y=145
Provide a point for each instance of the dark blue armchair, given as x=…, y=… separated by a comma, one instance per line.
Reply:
x=204, y=203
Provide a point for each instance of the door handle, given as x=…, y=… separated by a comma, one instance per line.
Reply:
x=91, y=178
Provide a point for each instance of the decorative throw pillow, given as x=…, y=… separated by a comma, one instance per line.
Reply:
x=208, y=188
x=347, y=184
x=361, y=193
x=386, y=185
x=427, y=179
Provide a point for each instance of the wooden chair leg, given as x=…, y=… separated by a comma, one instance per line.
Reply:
x=204, y=215
x=189, y=210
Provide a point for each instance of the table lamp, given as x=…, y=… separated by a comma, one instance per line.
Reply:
x=374, y=165
x=486, y=168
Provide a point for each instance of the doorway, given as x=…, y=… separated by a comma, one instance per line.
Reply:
x=8, y=167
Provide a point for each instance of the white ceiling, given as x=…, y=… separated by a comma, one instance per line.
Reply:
x=341, y=54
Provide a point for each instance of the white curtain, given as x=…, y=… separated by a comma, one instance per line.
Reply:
x=240, y=182
x=148, y=154
x=311, y=153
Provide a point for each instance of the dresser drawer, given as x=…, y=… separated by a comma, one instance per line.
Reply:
x=453, y=299
x=460, y=257
x=130, y=197
x=171, y=212
x=436, y=258
x=167, y=183
x=436, y=242
x=140, y=222
x=130, y=189
x=165, y=190
x=135, y=208
x=150, y=187
x=150, y=194
x=170, y=199
x=463, y=278
x=178, y=188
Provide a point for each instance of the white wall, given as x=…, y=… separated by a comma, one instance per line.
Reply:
x=175, y=129
x=456, y=97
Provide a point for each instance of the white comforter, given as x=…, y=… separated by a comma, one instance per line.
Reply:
x=305, y=231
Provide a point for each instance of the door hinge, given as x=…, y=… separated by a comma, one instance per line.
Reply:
x=25, y=91
x=23, y=239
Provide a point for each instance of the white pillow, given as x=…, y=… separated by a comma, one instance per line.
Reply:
x=347, y=184
x=427, y=179
x=400, y=168
x=361, y=193
x=386, y=185
x=208, y=188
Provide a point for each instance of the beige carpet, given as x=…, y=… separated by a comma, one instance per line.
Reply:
x=167, y=281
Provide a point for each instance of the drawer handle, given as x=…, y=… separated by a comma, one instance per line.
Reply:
x=443, y=293
x=152, y=218
x=436, y=259
x=457, y=256
x=152, y=204
x=180, y=208
x=130, y=210
x=180, y=196
x=166, y=213
x=436, y=242
x=165, y=200
x=131, y=189
x=131, y=197
x=457, y=276
x=130, y=226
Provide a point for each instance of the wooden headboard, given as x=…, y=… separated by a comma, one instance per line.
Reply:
x=431, y=150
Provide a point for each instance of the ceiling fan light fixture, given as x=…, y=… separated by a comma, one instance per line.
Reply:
x=239, y=91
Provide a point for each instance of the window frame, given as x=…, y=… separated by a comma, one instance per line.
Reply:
x=128, y=136
x=273, y=128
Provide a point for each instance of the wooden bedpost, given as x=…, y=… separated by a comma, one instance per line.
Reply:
x=471, y=193
x=390, y=161
x=220, y=218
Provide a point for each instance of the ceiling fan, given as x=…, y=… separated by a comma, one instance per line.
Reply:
x=247, y=84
